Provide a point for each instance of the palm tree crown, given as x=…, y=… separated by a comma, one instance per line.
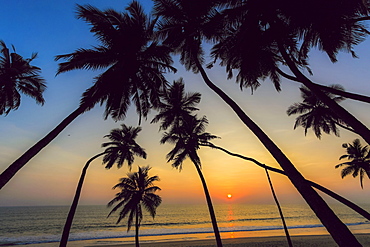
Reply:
x=256, y=31
x=134, y=64
x=187, y=139
x=182, y=26
x=311, y=24
x=176, y=106
x=137, y=190
x=359, y=160
x=247, y=47
x=122, y=147
x=17, y=76
x=315, y=114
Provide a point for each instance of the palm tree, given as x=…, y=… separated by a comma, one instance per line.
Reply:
x=183, y=27
x=177, y=109
x=176, y=106
x=263, y=35
x=279, y=209
x=133, y=63
x=346, y=32
x=317, y=115
x=122, y=147
x=359, y=161
x=18, y=76
x=137, y=190
x=175, y=112
x=328, y=89
x=187, y=139
x=342, y=113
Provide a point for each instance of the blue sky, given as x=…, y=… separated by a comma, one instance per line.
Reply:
x=50, y=28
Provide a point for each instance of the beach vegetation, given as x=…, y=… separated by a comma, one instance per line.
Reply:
x=254, y=38
x=122, y=148
x=358, y=163
x=283, y=35
x=18, y=76
x=187, y=139
x=286, y=231
x=316, y=115
x=137, y=192
x=186, y=132
x=176, y=106
x=132, y=64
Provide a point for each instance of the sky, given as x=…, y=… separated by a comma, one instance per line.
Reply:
x=51, y=28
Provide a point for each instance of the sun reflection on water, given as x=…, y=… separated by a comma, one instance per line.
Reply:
x=230, y=220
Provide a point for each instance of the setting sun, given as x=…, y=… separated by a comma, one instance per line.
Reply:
x=229, y=196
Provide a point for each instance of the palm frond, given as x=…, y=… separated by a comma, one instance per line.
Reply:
x=136, y=189
x=358, y=160
x=122, y=147
x=18, y=76
x=315, y=114
x=346, y=171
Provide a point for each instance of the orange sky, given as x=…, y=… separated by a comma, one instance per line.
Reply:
x=51, y=177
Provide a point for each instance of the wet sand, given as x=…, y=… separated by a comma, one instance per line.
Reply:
x=274, y=238
x=306, y=241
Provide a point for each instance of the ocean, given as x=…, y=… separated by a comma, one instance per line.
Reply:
x=44, y=224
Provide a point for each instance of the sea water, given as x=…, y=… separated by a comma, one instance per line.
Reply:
x=44, y=224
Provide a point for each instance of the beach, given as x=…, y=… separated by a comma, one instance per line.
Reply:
x=307, y=241
x=175, y=225
x=299, y=237
x=317, y=240
x=271, y=241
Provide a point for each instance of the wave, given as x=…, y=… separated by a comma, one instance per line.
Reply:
x=261, y=219
x=92, y=235
x=194, y=223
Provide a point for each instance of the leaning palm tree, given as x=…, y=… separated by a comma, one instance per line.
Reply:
x=137, y=190
x=184, y=27
x=18, y=76
x=316, y=115
x=187, y=139
x=176, y=106
x=359, y=161
x=279, y=209
x=132, y=64
x=122, y=147
x=268, y=33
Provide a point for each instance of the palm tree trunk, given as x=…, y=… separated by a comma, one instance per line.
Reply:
x=279, y=208
x=334, y=195
x=348, y=95
x=345, y=127
x=210, y=207
x=137, y=225
x=333, y=224
x=72, y=210
x=35, y=149
x=355, y=124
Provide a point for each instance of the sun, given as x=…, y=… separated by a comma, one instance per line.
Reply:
x=229, y=196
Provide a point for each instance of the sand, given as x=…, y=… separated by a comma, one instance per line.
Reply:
x=306, y=241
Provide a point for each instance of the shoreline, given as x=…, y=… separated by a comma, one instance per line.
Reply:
x=301, y=239
x=276, y=241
